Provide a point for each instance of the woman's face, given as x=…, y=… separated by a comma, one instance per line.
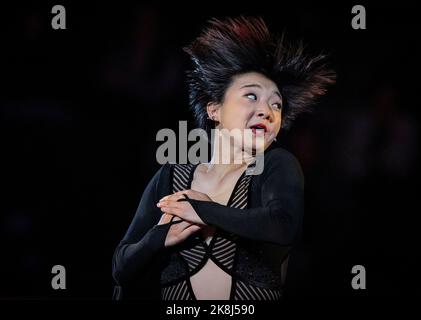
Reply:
x=252, y=101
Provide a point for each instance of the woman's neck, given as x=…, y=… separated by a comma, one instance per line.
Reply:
x=227, y=157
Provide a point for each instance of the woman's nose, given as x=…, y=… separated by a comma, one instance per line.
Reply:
x=265, y=112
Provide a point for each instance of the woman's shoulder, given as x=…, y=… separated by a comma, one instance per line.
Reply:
x=162, y=172
x=167, y=170
x=283, y=164
x=280, y=157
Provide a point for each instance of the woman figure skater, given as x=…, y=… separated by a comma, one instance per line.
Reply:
x=215, y=231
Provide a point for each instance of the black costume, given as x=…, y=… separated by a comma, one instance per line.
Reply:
x=253, y=237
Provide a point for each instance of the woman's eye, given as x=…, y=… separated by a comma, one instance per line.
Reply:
x=251, y=96
x=277, y=105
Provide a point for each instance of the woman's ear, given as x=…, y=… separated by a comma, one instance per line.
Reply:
x=212, y=110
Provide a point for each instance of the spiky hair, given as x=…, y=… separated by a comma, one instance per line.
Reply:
x=234, y=46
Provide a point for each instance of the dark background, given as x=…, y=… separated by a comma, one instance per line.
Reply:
x=80, y=109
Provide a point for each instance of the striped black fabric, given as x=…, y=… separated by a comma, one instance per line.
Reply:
x=181, y=176
x=194, y=256
x=248, y=292
x=179, y=291
x=221, y=249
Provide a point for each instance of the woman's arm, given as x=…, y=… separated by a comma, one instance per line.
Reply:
x=279, y=217
x=144, y=238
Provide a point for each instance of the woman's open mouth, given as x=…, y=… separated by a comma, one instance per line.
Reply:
x=258, y=129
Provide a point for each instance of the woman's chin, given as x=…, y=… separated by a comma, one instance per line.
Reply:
x=256, y=148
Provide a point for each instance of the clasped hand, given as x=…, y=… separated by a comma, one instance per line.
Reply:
x=175, y=210
x=171, y=205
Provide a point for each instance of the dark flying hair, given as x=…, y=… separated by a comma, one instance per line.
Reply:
x=234, y=46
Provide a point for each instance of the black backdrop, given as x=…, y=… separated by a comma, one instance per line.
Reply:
x=81, y=107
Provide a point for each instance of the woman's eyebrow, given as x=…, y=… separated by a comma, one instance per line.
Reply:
x=278, y=94
x=251, y=85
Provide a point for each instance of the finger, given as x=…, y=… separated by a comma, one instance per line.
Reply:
x=165, y=218
x=180, y=194
x=189, y=224
x=182, y=226
x=180, y=197
x=167, y=203
x=189, y=230
x=175, y=195
x=174, y=210
x=166, y=197
x=182, y=191
x=192, y=194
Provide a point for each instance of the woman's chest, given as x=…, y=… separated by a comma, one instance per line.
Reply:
x=219, y=192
